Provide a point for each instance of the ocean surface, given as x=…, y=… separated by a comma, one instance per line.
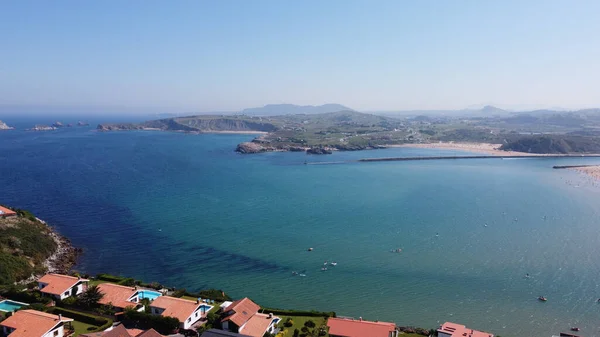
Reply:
x=187, y=211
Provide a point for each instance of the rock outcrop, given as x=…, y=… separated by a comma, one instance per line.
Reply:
x=318, y=150
x=250, y=147
x=3, y=126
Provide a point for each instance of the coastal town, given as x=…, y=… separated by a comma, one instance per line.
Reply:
x=71, y=305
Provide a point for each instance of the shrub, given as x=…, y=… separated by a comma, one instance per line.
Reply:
x=288, y=322
x=179, y=292
x=296, y=333
x=162, y=324
x=127, y=282
x=82, y=317
x=309, y=324
x=109, y=278
x=69, y=301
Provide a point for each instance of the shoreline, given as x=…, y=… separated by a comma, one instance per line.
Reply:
x=590, y=171
x=485, y=148
x=64, y=257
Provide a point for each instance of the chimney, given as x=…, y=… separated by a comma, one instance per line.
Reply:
x=60, y=317
x=197, y=301
x=360, y=319
x=270, y=315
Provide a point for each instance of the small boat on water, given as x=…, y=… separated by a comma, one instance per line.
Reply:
x=294, y=273
x=310, y=249
x=333, y=264
x=325, y=263
x=575, y=329
x=324, y=269
x=542, y=298
x=302, y=275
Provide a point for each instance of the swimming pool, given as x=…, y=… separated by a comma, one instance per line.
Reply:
x=205, y=308
x=10, y=306
x=149, y=294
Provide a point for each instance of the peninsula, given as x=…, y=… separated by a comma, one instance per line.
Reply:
x=537, y=132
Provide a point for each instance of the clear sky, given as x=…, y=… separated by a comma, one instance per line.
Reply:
x=369, y=55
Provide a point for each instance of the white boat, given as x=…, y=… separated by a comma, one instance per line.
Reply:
x=333, y=264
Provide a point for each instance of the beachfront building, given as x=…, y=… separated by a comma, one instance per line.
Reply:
x=186, y=311
x=5, y=212
x=242, y=316
x=348, y=327
x=62, y=286
x=120, y=297
x=33, y=323
x=121, y=331
x=449, y=329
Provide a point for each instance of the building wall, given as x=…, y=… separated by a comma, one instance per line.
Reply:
x=60, y=330
x=443, y=334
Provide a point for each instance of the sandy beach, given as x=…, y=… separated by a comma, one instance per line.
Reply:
x=486, y=148
x=593, y=171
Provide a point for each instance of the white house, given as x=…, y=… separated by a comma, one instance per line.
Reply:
x=62, y=286
x=242, y=316
x=186, y=311
x=32, y=323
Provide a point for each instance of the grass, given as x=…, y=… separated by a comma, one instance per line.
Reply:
x=97, y=282
x=81, y=328
x=299, y=323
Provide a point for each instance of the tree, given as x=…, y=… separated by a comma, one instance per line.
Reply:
x=90, y=297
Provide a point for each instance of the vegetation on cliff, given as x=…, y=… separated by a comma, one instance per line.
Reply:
x=27, y=247
x=554, y=144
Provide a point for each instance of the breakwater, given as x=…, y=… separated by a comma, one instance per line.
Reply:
x=462, y=157
x=570, y=166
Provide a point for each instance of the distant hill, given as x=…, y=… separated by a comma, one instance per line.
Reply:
x=291, y=109
x=562, y=144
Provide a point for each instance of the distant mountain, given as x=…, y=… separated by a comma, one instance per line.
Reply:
x=292, y=109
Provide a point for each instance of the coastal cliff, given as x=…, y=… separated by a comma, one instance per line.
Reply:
x=29, y=247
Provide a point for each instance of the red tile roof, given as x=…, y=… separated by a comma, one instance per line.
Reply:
x=150, y=333
x=458, y=330
x=6, y=212
x=58, y=284
x=257, y=325
x=358, y=328
x=176, y=307
x=32, y=323
x=243, y=309
x=116, y=295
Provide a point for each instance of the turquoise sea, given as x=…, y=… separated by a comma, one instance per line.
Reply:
x=187, y=211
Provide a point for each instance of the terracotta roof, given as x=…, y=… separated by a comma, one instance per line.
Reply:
x=221, y=333
x=32, y=323
x=176, y=307
x=116, y=295
x=358, y=328
x=118, y=331
x=58, y=284
x=243, y=309
x=257, y=325
x=6, y=212
x=150, y=333
x=459, y=330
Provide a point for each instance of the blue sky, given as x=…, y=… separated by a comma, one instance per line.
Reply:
x=370, y=55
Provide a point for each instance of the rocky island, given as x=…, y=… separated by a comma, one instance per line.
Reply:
x=3, y=126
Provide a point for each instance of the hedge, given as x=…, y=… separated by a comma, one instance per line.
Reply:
x=285, y=312
x=109, y=278
x=81, y=317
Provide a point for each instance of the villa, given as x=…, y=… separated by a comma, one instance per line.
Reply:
x=62, y=286
x=242, y=316
x=120, y=297
x=32, y=323
x=449, y=329
x=186, y=311
x=5, y=212
x=346, y=327
x=221, y=333
x=121, y=331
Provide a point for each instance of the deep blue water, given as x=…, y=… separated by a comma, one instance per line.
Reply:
x=187, y=211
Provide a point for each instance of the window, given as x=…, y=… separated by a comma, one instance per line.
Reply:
x=55, y=332
x=66, y=293
x=196, y=314
x=189, y=319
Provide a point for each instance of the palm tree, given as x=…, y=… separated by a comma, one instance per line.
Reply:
x=91, y=296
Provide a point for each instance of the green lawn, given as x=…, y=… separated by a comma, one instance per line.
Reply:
x=96, y=282
x=81, y=327
x=299, y=323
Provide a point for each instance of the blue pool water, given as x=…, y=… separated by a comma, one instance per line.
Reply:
x=205, y=308
x=149, y=294
x=10, y=306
